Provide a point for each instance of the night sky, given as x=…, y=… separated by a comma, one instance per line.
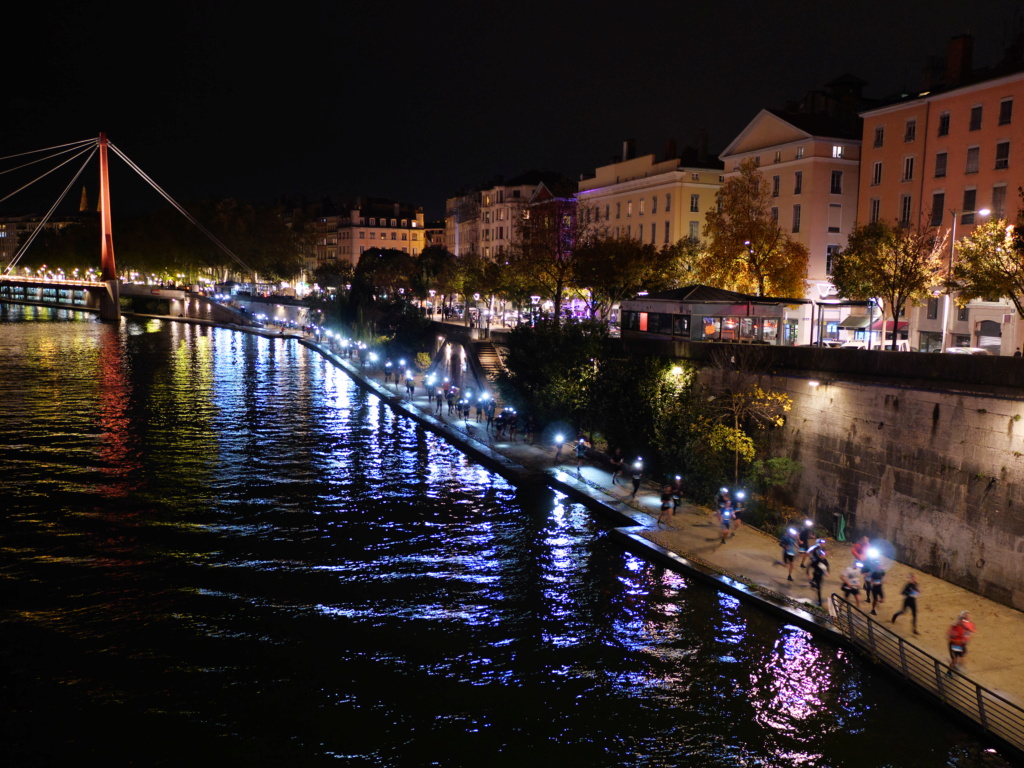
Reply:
x=339, y=98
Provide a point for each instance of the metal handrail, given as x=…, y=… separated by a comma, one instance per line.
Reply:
x=994, y=714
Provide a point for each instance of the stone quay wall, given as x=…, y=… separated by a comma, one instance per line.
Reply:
x=923, y=450
x=939, y=474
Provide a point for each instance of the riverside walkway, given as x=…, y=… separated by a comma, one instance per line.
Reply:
x=749, y=562
x=993, y=657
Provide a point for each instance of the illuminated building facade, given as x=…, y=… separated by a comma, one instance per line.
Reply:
x=483, y=221
x=656, y=202
x=369, y=223
x=949, y=153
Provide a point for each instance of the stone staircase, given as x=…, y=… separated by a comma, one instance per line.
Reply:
x=489, y=359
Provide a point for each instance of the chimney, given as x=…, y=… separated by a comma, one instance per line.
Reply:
x=959, y=59
x=629, y=149
x=670, y=149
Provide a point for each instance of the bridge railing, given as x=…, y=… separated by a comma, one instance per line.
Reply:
x=996, y=715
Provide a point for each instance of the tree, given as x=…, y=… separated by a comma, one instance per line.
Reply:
x=990, y=264
x=545, y=244
x=613, y=269
x=738, y=403
x=747, y=250
x=896, y=263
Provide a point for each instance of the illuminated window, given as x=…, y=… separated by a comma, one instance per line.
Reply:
x=837, y=151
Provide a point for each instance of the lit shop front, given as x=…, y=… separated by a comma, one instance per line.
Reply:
x=701, y=313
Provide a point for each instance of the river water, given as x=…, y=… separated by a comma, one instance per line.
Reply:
x=217, y=550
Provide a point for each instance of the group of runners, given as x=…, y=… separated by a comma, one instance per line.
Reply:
x=866, y=572
x=729, y=513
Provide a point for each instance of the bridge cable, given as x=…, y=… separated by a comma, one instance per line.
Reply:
x=74, y=144
x=79, y=153
x=42, y=159
x=180, y=209
x=49, y=213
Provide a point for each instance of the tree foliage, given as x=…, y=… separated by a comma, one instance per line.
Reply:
x=990, y=264
x=549, y=368
x=609, y=269
x=545, y=245
x=747, y=250
x=899, y=264
x=739, y=405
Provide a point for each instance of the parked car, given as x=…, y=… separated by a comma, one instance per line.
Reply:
x=967, y=351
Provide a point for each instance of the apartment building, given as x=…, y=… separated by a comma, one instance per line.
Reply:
x=656, y=202
x=941, y=158
x=369, y=223
x=811, y=162
x=483, y=221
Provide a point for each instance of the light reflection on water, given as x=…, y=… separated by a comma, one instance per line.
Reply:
x=232, y=555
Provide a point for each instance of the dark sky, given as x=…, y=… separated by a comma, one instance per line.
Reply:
x=336, y=97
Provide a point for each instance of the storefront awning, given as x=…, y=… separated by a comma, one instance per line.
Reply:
x=877, y=325
x=855, y=322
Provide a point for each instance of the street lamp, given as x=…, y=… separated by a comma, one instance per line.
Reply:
x=949, y=273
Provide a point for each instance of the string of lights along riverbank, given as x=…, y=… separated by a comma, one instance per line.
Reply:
x=219, y=551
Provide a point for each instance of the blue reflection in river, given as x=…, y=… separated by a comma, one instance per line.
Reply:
x=232, y=555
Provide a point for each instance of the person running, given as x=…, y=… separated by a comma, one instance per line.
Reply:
x=439, y=397
x=804, y=540
x=677, y=494
x=910, y=592
x=581, y=453
x=725, y=522
x=958, y=635
x=819, y=566
x=851, y=582
x=666, y=504
x=638, y=475
x=723, y=500
x=738, y=508
x=873, y=583
x=788, y=543
x=617, y=462
x=859, y=550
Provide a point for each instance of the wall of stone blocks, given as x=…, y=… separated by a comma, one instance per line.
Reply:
x=938, y=473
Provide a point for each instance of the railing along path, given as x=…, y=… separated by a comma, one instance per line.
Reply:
x=997, y=716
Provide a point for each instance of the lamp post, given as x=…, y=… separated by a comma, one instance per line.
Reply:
x=949, y=272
